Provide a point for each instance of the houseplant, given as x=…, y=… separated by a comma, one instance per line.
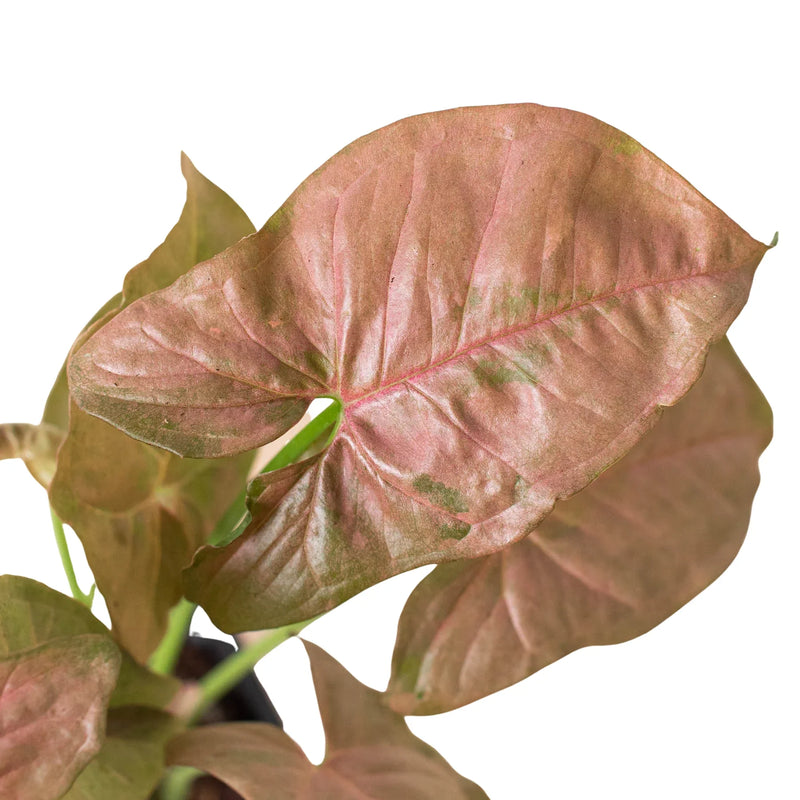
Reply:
x=498, y=302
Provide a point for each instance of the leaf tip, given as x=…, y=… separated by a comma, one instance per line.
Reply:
x=774, y=241
x=187, y=166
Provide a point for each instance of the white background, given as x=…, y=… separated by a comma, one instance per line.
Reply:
x=97, y=102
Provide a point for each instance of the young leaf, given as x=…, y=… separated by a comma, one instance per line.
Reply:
x=131, y=761
x=53, y=702
x=502, y=297
x=606, y=565
x=156, y=508
x=36, y=445
x=370, y=755
x=32, y=614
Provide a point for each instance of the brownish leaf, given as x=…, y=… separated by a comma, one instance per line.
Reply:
x=502, y=297
x=371, y=754
x=141, y=512
x=607, y=565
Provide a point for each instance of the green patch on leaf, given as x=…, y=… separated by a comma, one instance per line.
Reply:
x=441, y=495
x=456, y=530
x=490, y=373
x=625, y=145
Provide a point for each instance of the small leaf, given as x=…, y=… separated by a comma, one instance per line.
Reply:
x=156, y=509
x=53, y=702
x=502, y=297
x=36, y=445
x=371, y=754
x=607, y=565
x=131, y=762
x=32, y=614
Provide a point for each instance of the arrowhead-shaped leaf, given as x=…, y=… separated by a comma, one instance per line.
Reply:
x=371, y=754
x=503, y=298
x=141, y=512
x=131, y=761
x=606, y=565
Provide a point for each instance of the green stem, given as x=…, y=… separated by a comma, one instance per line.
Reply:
x=328, y=419
x=232, y=525
x=295, y=447
x=177, y=783
x=165, y=656
x=66, y=561
x=221, y=679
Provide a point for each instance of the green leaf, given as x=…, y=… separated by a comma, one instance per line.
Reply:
x=210, y=222
x=131, y=762
x=607, y=565
x=371, y=754
x=503, y=298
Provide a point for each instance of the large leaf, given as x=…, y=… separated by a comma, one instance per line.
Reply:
x=607, y=565
x=32, y=614
x=141, y=512
x=370, y=755
x=131, y=761
x=503, y=298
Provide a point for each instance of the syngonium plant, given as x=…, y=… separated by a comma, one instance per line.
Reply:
x=519, y=315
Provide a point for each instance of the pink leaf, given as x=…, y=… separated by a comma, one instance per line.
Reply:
x=503, y=298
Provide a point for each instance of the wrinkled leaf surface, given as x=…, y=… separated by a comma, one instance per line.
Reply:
x=606, y=565
x=371, y=754
x=503, y=297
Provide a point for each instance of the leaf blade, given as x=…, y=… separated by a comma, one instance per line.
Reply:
x=607, y=565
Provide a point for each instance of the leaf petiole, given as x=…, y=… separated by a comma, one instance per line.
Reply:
x=221, y=679
x=66, y=561
x=166, y=655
